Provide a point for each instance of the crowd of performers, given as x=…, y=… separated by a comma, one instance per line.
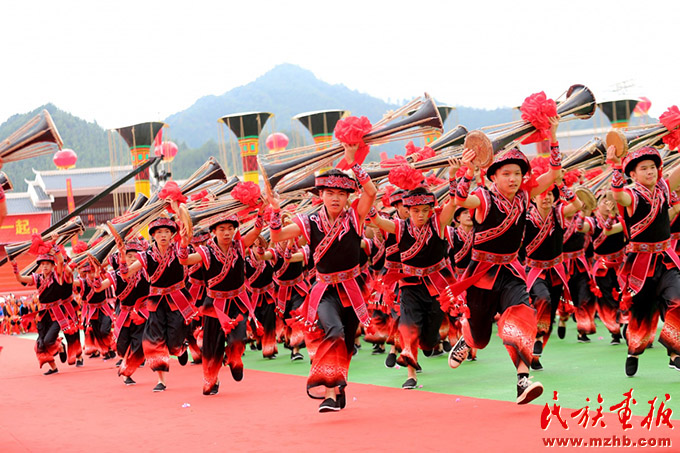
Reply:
x=497, y=250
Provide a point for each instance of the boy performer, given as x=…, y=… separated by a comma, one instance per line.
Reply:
x=650, y=271
x=336, y=302
x=425, y=271
x=169, y=304
x=495, y=280
x=226, y=306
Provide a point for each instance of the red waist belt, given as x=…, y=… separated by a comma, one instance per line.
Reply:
x=648, y=247
x=538, y=264
x=286, y=288
x=174, y=292
x=220, y=299
x=347, y=281
x=645, y=252
x=485, y=261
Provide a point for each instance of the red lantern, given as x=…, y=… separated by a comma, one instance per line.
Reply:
x=167, y=150
x=277, y=141
x=65, y=159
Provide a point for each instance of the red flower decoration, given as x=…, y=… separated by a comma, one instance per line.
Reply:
x=529, y=182
x=80, y=247
x=420, y=153
x=432, y=180
x=406, y=177
x=671, y=120
x=571, y=177
x=389, y=190
x=200, y=195
x=394, y=162
x=38, y=246
x=247, y=193
x=540, y=165
x=593, y=173
x=461, y=172
x=171, y=191
x=536, y=109
x=351, y=130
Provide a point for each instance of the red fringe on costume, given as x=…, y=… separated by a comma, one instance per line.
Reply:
x=157, y=355
x=211, y=371
x=47, y=355
x=670, y=333
x=131, y=362
x=74, y=349
x=517, y=329
x=585, y=317
x=329, y=367
x=640, y=333
x=90, y=347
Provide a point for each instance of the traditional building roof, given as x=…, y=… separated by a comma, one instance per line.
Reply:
x=21, y=203
x=84, y=181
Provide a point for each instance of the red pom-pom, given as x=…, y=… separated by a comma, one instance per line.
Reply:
x=200, y=195
x=671, y=120
x=432, y=180
x=171, y=191
x=461, y=172
x=389, y=190
x=420, y=153
x=394, y=162
x=537, y=109
x=406, y=177
x=593, y=173
x=247, y=193
x=540, y=165
x=38, y=246
x=351, y=130
x=79, y=247
x=529, y=182
x=571, y=177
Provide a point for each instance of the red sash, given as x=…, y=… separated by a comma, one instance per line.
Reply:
x=345, y=279
x=220, y=299
x=331, y=232
x=174, y=292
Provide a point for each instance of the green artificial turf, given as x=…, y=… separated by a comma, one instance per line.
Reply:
x=575, y=370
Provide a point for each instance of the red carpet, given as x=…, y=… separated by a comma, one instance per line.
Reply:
x=89, y=409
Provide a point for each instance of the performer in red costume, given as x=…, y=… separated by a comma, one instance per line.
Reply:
x=650, y=271
x=495, y=281
x=336, y=302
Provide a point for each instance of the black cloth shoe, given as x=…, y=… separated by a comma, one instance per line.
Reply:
x=119, y=363
x=419, y=369
x=616, y=339
x=94, y=354
x=437, y=352
x=62, y=354
x=583, y=338
x=328, y=405
x=409, y=384
x=631, y=365
x=356, y=350
x=160, y=387
x=527, y=391
x=458, y=353
x=538, y=348
x=674, y=364
x=446, y=346
x=129, y=381
x=427, y=352
x=253, y=347
x=294, y=357
x=216, y=388
x=391, y=360
x=51, y=371
x=183, y=358
x=536, y=364
x=377, y=350
x=561, y=332
x=80, y=362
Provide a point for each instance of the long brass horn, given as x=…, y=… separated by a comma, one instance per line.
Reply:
x=579, y=104
x=63, y=233
x=426, y=116
x=589, y=155
x=5, y=182
x=454, y=137
x=632, y=139
x=37, y=137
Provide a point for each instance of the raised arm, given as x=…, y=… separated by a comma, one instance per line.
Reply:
x=446, y=214
x=185, y=258
x=463, y=197
x=279, y=234
x=547, y=179
x=622, y=197
x=21, y=278
x=575, y=203
x=369, y=191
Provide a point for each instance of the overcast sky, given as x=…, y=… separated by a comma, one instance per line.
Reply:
x=123, y=62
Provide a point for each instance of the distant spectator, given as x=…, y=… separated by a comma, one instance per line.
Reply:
x=3, y=205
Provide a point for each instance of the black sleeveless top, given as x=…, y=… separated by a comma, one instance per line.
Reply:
x=610, y=244
x=215, y=261
x=657, y=224
x=265, y=277
x=140, y=288
x=52, y=291
x=344, y=252
x=173, y=272
x=551, y=247
x=293, y=270
x=497, y=208
x=433, y=248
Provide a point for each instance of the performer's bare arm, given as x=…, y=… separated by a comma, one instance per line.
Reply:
x=616, y=228
x=622, y=197
x=446, y=214
x=369, y=191
x=21, y=278
x=289, y=231
x=573, y=207
x=251, y=235
x=384, y=224
x=674, y=178
x=137, y=265
x=472, y=201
